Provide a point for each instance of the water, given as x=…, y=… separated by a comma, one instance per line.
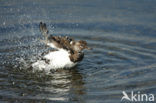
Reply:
x=122, y=34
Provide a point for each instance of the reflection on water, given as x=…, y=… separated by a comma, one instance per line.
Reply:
x=121, y=33
x=62, y=85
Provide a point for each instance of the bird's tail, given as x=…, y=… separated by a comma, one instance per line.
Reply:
x=44, y=30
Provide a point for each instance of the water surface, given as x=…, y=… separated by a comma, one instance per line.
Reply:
x=122, y=34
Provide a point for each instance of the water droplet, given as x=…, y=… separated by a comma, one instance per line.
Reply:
x=22, y=94
x=13, y=83
x=4, y=23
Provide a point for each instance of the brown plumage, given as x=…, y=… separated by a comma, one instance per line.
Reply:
x=74, y=47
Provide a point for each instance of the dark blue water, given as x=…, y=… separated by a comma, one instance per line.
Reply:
x=122, y=34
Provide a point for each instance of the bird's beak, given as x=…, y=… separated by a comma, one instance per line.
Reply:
x=88, y=48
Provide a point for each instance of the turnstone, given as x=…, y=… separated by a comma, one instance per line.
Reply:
x=67, y=54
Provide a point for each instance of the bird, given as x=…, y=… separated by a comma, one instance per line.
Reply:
x=68, y=52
